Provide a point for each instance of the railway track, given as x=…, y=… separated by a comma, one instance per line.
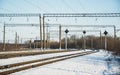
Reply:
x=12, y=68
x=4, y=55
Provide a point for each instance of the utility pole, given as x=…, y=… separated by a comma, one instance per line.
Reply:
x=4, y=37
x=30, y=42
x=21, y=42
x=60, y=37
x=114, y=31
x=44, y=40
x=114, y=36
x=37, y=42
x=100, y=40
x=66, y=31
x=48, y=42
x=47, y=37
x=41, y=41
x=16, y=39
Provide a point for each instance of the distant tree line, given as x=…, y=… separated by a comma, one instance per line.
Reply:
x=92, y=42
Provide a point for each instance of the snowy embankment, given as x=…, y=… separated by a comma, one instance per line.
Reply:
x=100, y=63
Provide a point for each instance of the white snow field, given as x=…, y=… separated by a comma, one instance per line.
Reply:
x=33, y=57
x=100, y=63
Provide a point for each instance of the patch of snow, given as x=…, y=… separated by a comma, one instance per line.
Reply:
x=33, y=57
x=92, y=64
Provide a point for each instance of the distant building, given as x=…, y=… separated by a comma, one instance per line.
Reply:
x=38, y=41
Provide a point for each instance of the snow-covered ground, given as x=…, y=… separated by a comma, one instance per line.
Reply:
x=100, y=63
x=34, y=57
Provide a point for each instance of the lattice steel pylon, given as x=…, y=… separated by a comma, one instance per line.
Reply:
x=58, y=15
x=26, y=15
x=75, y=15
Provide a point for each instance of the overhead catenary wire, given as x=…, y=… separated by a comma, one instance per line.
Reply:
x=81, y=5
x=68, y=6
x=13, y=9
x=49, y=5
x=6, y=10
x=15, y=5
x=34, y=5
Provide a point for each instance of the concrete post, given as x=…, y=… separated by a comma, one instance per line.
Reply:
x=60, y=37
x=4, y=37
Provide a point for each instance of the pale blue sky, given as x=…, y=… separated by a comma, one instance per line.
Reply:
x=58, y=6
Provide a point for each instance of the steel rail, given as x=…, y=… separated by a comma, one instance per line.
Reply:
x=43, y=62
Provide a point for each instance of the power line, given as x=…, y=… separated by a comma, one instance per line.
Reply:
x=6, y=10
x=34, y=5
x=81, y=5
x=14, y=5
x=65, y=3
x=49, y=5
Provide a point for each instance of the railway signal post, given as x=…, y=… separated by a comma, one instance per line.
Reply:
x=84, y=46
x=105, y=39
x=66, y=31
